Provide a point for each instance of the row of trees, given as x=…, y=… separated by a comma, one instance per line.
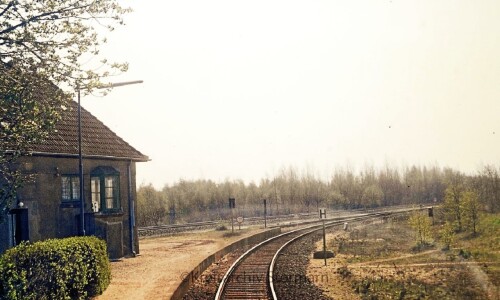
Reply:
x=294, y=192
x=462, y=203
x=465, y=199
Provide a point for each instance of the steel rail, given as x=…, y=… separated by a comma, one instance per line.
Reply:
x=275, y=258
x=278, y=252
x=249, y=220
x=225, y=280
x=309, y=230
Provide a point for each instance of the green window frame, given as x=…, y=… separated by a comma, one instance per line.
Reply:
x=70, y=188
x=105, y=190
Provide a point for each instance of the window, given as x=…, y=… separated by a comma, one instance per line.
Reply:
x=111, y=192
x=105, y=189
x=95, y=187
x=70, y=188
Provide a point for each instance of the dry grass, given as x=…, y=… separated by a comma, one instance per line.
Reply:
x=380, y=261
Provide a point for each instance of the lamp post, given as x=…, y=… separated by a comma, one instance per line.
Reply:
x=80, y=157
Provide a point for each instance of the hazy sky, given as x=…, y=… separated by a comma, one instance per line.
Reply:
x=239, y=89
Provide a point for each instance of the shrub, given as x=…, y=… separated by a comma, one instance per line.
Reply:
x=70, y=268
x=221, y=227
x=422, y=226
x=447, y=235
x=344, y=272
x=464, y=253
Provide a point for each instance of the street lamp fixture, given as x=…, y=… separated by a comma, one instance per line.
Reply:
x=80, y=157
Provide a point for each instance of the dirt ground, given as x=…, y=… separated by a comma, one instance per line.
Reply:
x=162, y=263
x=326, y=277
x=385, y=268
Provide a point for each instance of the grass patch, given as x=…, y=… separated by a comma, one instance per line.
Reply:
x=420, y=247
x=412, y=288
x=384, y=261
x=484, y=247
x=236, y=232
x=221, y=227
x=378, y=241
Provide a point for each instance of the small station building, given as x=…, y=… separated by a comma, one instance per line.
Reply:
x=49, y=205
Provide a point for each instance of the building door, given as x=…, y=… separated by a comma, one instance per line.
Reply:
x=89, y=222
x=20, y=225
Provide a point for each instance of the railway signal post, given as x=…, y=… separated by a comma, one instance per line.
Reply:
x=232, y=205
x=431, y=213
x=322, y=215
x=265, y=213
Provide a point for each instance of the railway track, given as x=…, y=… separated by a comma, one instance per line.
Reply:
x=251, y=275
x=293, y=219
x=176, y=228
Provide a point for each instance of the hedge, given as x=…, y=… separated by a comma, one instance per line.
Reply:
x=70, y=268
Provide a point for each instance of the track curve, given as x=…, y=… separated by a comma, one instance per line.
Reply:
x=250, y=276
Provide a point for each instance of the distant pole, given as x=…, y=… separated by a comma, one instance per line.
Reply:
x=322, y=215
x=80, y=167
x=431, y=213
x=324, y=241
x=232, y=205
x=265, y=213
x=172, y=215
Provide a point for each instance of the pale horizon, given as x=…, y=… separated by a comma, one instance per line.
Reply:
x=240, y=90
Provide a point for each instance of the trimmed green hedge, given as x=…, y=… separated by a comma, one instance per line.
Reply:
x=70, y=268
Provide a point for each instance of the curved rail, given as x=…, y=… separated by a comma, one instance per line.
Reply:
x=252, y=270
x=231, y=270
x=278, y=252
x=275, y=257
x=250, y=286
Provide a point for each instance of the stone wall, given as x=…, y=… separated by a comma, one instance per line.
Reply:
x=49, y=217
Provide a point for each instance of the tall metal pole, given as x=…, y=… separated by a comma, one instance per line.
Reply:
x=232, y=205
x=324, y=241
x=80, y=165
x=322, y=215
x=232, y=221
x=265, y=213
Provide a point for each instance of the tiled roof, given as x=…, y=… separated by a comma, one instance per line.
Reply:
x=97, y=139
